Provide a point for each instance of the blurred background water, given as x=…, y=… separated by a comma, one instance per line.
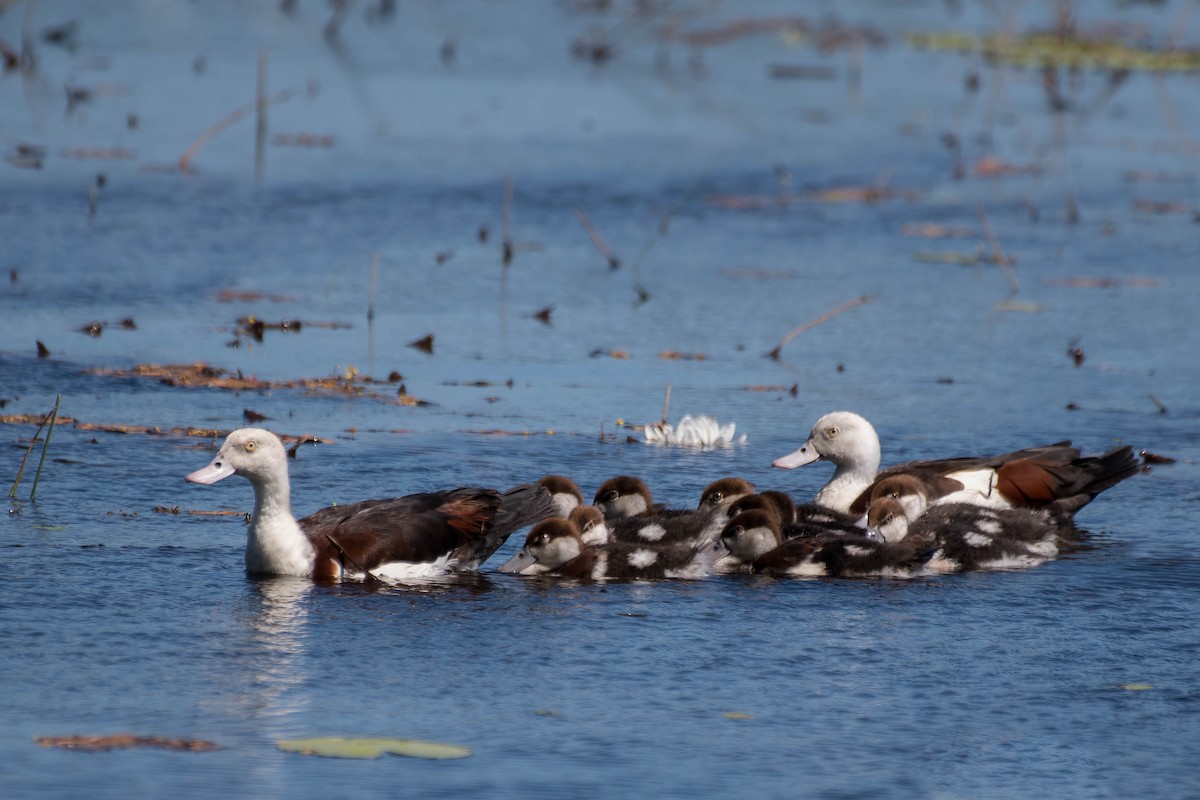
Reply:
x=740, y=203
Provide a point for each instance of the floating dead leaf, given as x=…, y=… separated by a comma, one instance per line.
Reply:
x=957, y=259
x=994, y=167
x=736, y=715
x=932, y=230
x=767, y=388
x=675, y=355
x=116, y=741
x=32, y=419
x=42, y=350
x=443, y=257
x=543, y=316
x=339, y=747
x=801, y=72
x=311, y=140
x=1019, y=305
x=618, y=354
x=1136, y=687
x=1100, y=283
x=98, y=153
x=1066, y=49
x=1162, y=206
x=253, y=416
x=424, y=344
x=235, y=296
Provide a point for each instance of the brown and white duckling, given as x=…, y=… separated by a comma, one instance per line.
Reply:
x=806, y=519
x=565, y=492
x=556, y=547
x=624, y=496
x=1053, y=475
x=400, y=538
x=755, y=543
x=972, y=537
x=725, y=492
x=694, y=528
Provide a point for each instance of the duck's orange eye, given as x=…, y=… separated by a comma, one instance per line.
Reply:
x=250, y=445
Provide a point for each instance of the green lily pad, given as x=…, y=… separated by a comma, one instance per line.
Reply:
x=341, y=747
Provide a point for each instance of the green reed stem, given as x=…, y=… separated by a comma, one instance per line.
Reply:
x=46, y=446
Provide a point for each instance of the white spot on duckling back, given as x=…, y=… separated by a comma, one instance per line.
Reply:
x=653, y=532
x=990, y=526
x=641, y=559
x=977, y=539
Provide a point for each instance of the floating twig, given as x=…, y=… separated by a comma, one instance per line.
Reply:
x=224, y=122
x=46, y=445
x=260, y=118
x=666, y=404
x=506, y=244
x=597, y=239
x=812, y=323
x=1162, y=409
x=997, y=251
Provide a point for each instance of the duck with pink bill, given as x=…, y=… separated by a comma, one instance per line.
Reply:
x=415, y=537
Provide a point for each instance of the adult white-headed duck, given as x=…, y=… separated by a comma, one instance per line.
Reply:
x=556, y=547
x=401, y=538
x=1052, y=476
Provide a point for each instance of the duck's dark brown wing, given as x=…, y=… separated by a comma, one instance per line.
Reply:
x=1031, y=471
x=520, y=506
x=415, y=529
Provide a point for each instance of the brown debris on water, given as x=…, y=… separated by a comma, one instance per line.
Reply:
x=933, y=230
x=1075, y=352
x=120, y=741
x=543, y=316
x=238, y=296
x=675, y=355
x=305, y=140
x=93, y=329
x=993, y=167
x=42, y=350
x=33, y=419
x=617, y=354
x=253, y=416
x=424, y=344
x=203, y=376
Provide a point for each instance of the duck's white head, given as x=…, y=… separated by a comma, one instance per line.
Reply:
x=842, y=437
x=551, y=543
x=253, y=453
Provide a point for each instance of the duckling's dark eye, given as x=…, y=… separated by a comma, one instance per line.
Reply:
x=250, y=445
x=888, y=519
x=612, y=494
x=715, y=498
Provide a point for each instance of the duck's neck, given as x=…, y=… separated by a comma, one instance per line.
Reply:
x=850, y=479
x=276, y=545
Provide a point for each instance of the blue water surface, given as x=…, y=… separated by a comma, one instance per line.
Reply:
x=710, y=180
